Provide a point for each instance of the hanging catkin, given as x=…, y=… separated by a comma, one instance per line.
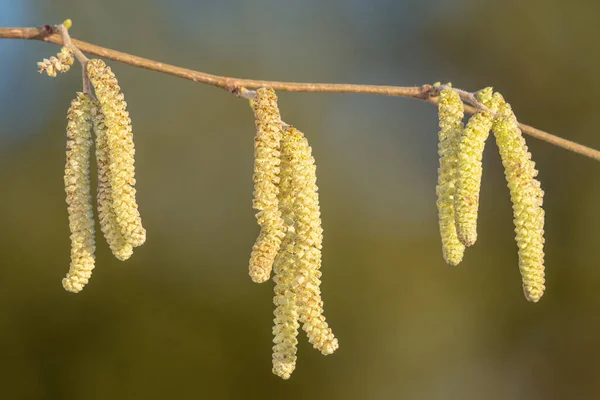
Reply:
x=469, y=169
x=121, y=151
x=79, y=199
x=308, y=239
x=296, y=268
x=450, y=113
x=527, y=198
x=267, y=154
x=120, y=248
x=285, y=329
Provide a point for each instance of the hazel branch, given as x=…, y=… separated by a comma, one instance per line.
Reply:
x=50, y=34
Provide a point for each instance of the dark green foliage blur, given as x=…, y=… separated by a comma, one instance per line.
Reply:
x=181, y=319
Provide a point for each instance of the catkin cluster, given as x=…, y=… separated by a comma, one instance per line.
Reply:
x=286, y=196
x=118, y=212
x=290, y=195
x=459, y=182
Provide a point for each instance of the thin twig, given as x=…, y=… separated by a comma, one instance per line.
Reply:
x=83, y=60
x=87, y=85
x=235, y=85
x=67, y=42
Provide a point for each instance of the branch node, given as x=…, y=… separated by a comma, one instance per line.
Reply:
x=233, y=89
x=430, y=91
x=46, y=30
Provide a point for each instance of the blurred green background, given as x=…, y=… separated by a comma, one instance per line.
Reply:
x=181, y=318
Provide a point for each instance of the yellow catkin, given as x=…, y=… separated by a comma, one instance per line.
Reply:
x=469, y=168
x=121, y=151
x=79, y=199
x=61, y=63
x=266, y=179
x=285, y=329
x=120, y=248
x=527, y=198
x=451, y=113
x=308, y=239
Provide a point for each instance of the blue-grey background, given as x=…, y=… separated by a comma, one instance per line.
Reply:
x=181, y=318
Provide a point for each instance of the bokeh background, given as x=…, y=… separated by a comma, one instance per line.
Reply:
x=181, y=318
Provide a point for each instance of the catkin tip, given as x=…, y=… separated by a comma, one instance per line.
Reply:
x=75, y=284
x=330, y=346
x=467, y=236
x=453, y=257
x=284, y=370
x=533, y=294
